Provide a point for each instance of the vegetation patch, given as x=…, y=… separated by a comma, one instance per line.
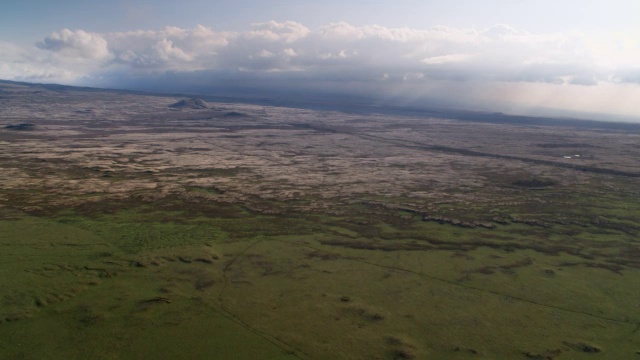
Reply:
x=21, y=127
x=534, y=183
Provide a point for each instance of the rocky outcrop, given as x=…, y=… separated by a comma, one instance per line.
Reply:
x=189, y=104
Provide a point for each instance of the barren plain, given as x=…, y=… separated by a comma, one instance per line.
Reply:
x=132, y=229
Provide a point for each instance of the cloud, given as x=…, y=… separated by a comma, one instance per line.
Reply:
x=628, y=75
x=446, y=59
x=287, y=32
x=369, y=59
x=32, y=64
x=498, y=53
x=168, y=49
x=76, y=44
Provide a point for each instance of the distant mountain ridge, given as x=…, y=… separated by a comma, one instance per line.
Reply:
x=359, y=105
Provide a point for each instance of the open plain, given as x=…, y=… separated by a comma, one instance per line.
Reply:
x=133, y=229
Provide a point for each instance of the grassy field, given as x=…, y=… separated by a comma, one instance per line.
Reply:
x=145, y=233
x=150, y=283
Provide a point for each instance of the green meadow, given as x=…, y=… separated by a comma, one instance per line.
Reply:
x=173, y=279
x=130, y=229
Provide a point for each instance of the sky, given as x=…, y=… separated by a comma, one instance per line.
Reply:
x=522, y=57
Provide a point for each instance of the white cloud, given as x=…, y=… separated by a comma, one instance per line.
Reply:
x=166, y=51
x=499, y=53
x=35, y=64
x=287, y=32
x=446, y=59
x=289, y=52
x=334, y=53
x=76, y=45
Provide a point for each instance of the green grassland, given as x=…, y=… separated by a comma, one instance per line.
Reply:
x=144, y=233
x=179, y=278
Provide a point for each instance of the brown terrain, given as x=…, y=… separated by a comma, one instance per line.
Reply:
x=303, y=233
